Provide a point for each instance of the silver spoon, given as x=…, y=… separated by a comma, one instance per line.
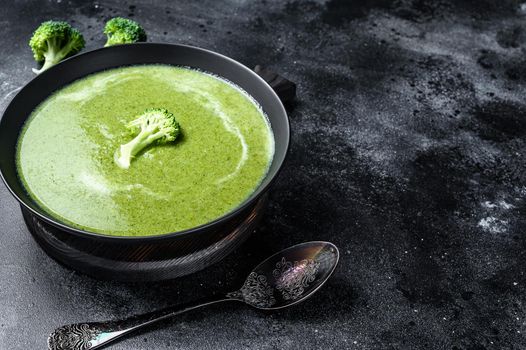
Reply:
x=284, y=279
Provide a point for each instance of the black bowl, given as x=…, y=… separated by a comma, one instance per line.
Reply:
x=148, y=257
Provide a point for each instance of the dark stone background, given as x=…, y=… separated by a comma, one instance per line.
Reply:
x=408, y=152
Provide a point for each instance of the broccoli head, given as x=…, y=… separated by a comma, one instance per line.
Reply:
x=123, y=31
x=154, y=126
x=53, y=41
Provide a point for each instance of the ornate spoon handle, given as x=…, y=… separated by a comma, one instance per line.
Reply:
x=84, y=336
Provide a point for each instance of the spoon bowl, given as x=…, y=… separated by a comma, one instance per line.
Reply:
x=289, y=277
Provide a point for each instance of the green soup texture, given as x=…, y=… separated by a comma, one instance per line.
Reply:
x=66, y=151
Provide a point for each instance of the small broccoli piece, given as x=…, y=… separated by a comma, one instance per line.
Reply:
x=123, y=31
x=155, y=125
x=53, y=41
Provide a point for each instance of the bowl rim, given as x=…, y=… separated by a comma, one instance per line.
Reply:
x=260, y=190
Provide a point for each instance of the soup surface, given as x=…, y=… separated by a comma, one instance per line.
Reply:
x=66, y=151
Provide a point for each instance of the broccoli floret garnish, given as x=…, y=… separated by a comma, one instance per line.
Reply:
x=155, y=125
x=123, y=31
x=53, y=41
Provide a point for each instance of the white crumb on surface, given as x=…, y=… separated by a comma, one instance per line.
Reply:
x=500, y=204
x=493, y=224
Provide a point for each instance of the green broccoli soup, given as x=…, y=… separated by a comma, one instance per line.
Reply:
x=69, y=153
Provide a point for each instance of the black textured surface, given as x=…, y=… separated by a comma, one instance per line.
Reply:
x=408, y=152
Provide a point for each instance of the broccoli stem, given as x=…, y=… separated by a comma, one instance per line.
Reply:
x=131, y=149
x=54, y=54
x=47, y=63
